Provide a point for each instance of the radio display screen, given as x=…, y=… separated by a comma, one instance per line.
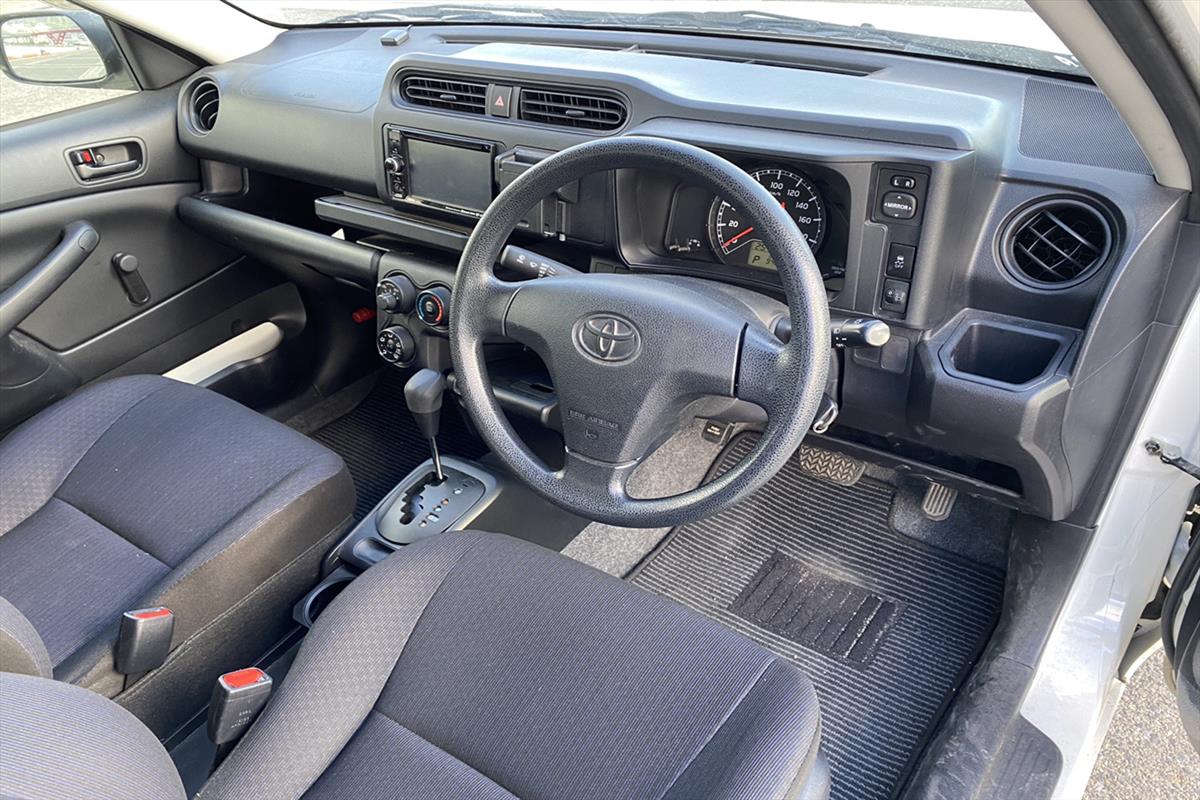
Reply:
x=449, y=174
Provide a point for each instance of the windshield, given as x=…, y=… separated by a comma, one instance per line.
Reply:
x=1004, y=32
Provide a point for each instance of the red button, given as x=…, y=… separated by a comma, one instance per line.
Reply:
x=243, y=677
x=152, y=613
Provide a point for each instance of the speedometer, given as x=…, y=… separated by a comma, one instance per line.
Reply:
x=733, y=237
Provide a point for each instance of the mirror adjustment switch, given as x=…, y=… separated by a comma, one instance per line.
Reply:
x=895, y=296
x=898, y=205
x=900, y=260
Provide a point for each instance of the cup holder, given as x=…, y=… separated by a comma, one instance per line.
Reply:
x=320, y=596
x=1005, y=355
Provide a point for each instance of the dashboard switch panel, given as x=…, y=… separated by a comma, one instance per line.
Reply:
x=895, y=296
x=900, y=260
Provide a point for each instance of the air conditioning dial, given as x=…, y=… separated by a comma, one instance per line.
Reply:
x=395, y=294
x=433, y=306
x=396, y=345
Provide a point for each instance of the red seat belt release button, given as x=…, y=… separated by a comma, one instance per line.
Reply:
x=237, y=699
x=145, y=639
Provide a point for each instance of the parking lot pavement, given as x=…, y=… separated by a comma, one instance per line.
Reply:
x=20, y=101
x=1146, y=755
x=70, y=66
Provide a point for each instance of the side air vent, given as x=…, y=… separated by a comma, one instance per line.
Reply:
x=204, y=100
x=1054, y=244
x=571, y=110
x=448, y=94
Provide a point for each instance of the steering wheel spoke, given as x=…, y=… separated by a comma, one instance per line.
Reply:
x=587, y=478
x=765, y=371
x=494, y=297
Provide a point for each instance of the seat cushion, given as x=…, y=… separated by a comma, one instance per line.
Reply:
x=476, y=665
x=146, y=491
x=60, y=741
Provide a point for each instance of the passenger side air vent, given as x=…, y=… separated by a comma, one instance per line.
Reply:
x=1054, y=244
x=571, y=110
x=448, y=94
x=204, y=100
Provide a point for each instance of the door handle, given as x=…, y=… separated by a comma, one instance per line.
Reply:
x=98, y=161
x=89, y=172
x=79, y=240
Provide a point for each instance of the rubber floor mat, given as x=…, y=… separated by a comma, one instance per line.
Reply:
x=886, y=627
x=379, y=441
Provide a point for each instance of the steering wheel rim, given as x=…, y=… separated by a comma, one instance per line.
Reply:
x=786, y=380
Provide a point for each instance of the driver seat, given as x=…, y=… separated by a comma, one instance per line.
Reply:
x=474, y=665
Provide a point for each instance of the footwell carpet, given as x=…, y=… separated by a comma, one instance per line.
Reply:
x=886, y=627
x=380, y=443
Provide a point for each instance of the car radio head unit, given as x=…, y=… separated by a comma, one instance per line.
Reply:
x=444, y=172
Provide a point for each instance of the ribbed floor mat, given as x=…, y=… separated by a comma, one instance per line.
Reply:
x=885, y=626
x=380, y=443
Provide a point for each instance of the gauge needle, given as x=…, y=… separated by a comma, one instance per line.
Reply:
x=740, y=235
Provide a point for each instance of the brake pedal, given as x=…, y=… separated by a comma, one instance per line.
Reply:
x=938, y=502
x=830, y=466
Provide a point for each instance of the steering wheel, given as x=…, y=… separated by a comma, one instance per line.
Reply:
x=628, y=353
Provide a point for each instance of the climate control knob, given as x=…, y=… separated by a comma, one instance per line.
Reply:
x=433, y=306
x=395, y=294
x=396, y=344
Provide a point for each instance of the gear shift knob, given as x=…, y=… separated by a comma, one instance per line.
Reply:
x=423, y=396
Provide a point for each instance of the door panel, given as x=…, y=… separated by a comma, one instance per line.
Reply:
x=138, y=221
x=181, y=294
x=34, y=155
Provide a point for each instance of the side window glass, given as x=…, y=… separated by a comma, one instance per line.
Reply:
x=56, y=57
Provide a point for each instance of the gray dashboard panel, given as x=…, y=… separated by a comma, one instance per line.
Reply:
x=314, y=104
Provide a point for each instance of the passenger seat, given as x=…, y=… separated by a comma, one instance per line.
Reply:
x=143, y=491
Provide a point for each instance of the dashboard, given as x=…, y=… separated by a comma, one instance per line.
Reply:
x=986, y=215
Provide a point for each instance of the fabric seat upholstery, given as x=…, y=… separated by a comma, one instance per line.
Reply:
x=470, y=667
x=145, y=491
x=478, y=666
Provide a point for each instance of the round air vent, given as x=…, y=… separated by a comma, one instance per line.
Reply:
x=1054, y=244
x=204, y=100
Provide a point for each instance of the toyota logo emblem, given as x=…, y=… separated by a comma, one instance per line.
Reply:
x=608, y=338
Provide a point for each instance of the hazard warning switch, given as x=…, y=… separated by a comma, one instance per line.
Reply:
x=499, y=100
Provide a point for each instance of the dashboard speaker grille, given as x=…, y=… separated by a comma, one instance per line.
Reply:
x=571, y=110
x=204, y=101
x=448, y=94
x=1057, y=243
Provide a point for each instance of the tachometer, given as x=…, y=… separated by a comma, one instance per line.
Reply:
x=733, y=238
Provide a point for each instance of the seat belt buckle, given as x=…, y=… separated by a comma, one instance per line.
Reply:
x=237, y=699
x=145, y=639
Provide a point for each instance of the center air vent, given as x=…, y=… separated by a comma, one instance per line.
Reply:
x=448, y=94
x=204, y=99
x=571, y=110
x=1057, y=243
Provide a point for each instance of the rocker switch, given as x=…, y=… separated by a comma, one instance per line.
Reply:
x=126, y=266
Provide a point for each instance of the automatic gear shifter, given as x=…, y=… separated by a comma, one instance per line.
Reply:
x=423, y=395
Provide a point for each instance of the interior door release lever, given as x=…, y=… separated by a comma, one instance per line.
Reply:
x=107, y=160
x=88, y=172
x=126, y=266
